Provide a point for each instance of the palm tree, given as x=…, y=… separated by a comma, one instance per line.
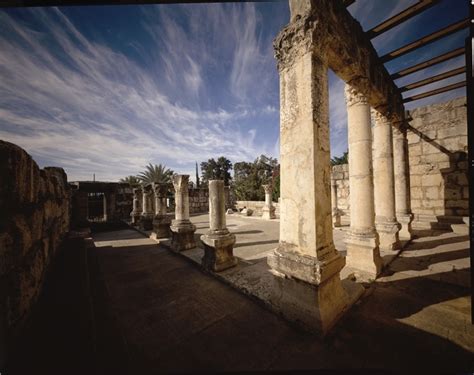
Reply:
x=133, y=181
x=155, y=173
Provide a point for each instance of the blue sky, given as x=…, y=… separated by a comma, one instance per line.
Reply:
x=108, y=89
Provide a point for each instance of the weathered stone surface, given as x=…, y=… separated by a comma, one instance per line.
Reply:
x=33, y=222
x=218, y=242
x=437, y=148
x=182, y=230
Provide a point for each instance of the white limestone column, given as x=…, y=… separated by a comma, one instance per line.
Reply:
x=306, y=250
x=268, y=211
x=137, y=207
x=363, y=253
x=218, y=241
x=400, y=166
x=147, y=207
x=384, y=185
x=161, y=221
x=182, y=229
x=336, y=217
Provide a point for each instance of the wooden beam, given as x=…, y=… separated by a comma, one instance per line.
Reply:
x=435, y=92
x=401, y=17
x=430, y=38
x=427, y=63
x=435, y=78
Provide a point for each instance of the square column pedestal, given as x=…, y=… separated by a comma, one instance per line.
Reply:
x=182, y=235
x=218, y=251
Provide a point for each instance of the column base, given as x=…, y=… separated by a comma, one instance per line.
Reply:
x=182, y=235
x=146, y=222
x=218, y=250
x=135, y=218
x=363, y=255
x=405, y=221
x=161, y=226
x=268, y=213
x=388, y=235
x=308, y=291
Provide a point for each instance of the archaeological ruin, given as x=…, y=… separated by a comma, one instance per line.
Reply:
x=364, y=264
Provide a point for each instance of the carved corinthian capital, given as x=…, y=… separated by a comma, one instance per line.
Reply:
x=160, y=189
x=302, y=35
x=180, y=183
x=268, y=188
x=379, y=117
x=353, y=96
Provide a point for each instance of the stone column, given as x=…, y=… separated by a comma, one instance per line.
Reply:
x=400, y=166
x=137, y=207
x=161, y=221
x=218, y=241
x=384, y=186
x=182, y=230
x=110, y=206
x=307, y=286
x=336, y=217
x=146, y=222
x=362, y=241
x=268, y=211
x=104, y=207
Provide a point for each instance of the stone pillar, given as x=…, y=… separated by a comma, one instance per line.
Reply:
x=104, y=207
x=161, y=221
x=268, y=211
x=110, y=206
x=218, y=241
x=384, y=186
x=336, y=217
x=146, y=222
x=182, y=230
x=307, y=285
x=137, y=207
x=400, y=166
x=362, y=241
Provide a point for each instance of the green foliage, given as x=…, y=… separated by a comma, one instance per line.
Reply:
x=155, y=173
x=249, y=178
x=133, y=181
x=216, y=170
x=344, y=159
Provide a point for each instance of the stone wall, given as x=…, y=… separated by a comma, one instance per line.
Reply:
x=34, y=219
x=257, y=207
x=340, y=173
x=437, y=149
x=199, y=199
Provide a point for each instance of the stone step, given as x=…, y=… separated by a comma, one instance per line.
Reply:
x=460, y=229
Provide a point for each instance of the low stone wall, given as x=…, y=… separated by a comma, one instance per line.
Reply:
x=257, y=207
x=199, y=199
x=34, y=219
x=437, y=149
x=340, y=173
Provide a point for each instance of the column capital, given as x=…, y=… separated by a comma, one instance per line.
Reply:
x=268, y=188
x=160, y=189
x=137, y=192
x=147, y=189
x=180, y=183
x=301, y=36
x=353, y=96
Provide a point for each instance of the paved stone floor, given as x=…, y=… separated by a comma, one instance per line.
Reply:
x=151, y=310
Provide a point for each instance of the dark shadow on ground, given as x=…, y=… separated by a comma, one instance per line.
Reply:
x=256, y=243
x=249, y=232
x=424, y=245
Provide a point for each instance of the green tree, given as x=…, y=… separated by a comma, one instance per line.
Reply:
x=155, y=173
x=133, y=181
x=249, y=178
x=216, y=170
x=344, y=159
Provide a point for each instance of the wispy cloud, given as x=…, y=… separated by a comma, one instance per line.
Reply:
x=91, y=109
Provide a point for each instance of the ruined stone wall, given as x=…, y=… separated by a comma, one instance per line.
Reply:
x=437, y=149
x=341, y=174
x=257, y=207
x=34, y=219
x=124, y=202
x=199, y=199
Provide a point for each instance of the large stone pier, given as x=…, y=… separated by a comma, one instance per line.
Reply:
x=218, y=241
x=182, y=230
x=306, y=263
